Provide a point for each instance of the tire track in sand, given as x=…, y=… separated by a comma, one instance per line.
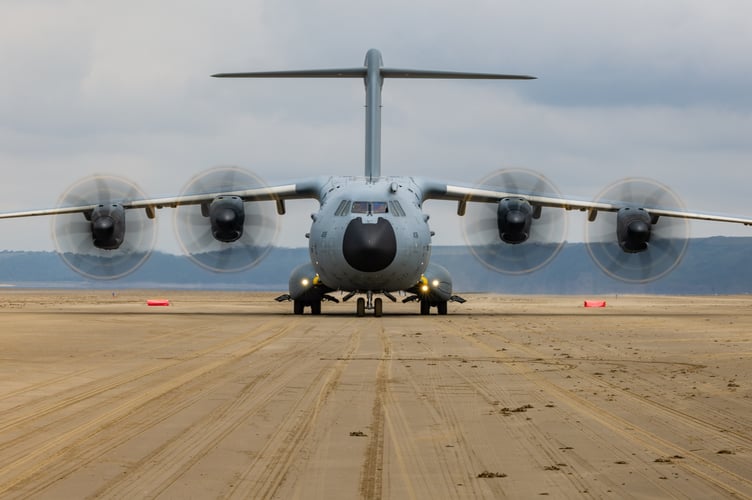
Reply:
x=265, y=475
x=709, y=471
x=371, y=479
x=27, y=463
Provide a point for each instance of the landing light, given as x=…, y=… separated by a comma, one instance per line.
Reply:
x=304, y=282
x=424, y=288
x=435, y=283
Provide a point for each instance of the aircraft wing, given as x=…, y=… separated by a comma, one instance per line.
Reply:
x=300, y=190
x=464, y=194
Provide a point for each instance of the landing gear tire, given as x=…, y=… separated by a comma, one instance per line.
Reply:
x=316, y=308
x=425, y=308
x=297, y=307
x=442, y=308
x=361, y=307
x=378, y=307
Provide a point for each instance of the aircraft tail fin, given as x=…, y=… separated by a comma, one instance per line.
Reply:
x=373, y=72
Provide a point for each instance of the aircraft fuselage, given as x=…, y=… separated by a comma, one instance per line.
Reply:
x=370, y=234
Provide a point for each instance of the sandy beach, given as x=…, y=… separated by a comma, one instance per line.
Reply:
x=230, y=395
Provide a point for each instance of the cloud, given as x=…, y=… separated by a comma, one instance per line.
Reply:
x=626, y=89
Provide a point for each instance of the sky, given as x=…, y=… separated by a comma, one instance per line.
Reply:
x=625, y=89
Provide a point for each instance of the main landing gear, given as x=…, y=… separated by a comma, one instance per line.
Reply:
x=298, y=307
x=426, y=304
x=425, y=307
x=312, y=301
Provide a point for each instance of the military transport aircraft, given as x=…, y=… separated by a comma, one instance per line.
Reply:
x=370, y=236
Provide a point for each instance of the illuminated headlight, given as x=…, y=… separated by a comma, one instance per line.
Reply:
x=304, y=282
x=435, y=283
x=424, y=288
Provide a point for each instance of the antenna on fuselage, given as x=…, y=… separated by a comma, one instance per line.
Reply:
x=373, y=74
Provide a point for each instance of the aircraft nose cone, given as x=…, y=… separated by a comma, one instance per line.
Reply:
x=369, y=247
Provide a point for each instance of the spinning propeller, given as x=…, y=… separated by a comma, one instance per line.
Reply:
x=95, y=243
x=226, y=234
x=632, y=245
x=514, y=236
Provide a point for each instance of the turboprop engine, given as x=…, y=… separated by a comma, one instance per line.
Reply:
x=647, y=246
x=514, y=216
x=107, y=226
x=95, y=244
x=633, y=226
x=226, y=216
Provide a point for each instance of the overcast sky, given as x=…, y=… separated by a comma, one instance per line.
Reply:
x=639, y=88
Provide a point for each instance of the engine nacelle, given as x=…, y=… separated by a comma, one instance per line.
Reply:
x=107, y=226
x=633, y=227
x=514, y=216
x=227, y=216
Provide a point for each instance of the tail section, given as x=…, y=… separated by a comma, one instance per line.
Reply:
x=373, y=74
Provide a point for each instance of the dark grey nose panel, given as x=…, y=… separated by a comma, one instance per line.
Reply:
x=369, y=247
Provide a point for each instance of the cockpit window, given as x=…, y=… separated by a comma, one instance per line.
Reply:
x=343, y=208
x=360, y=207
x=378, y=207
x=370, y=207
x=397, y=208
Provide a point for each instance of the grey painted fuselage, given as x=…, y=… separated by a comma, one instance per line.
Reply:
x=348, y=249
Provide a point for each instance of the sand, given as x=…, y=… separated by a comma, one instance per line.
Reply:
x=229, y=395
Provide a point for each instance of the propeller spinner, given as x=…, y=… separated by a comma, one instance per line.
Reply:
x=632, y=245
x=226, y=234
x=98, y=244
x=514, y=236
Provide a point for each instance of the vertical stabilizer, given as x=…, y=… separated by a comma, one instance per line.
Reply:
x=374, y=81
x=373, y=74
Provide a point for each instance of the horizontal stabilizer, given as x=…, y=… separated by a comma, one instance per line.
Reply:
x=384, y=73
x=419, y=73
x=305, y=73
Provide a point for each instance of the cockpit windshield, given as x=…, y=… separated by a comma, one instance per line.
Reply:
x=360, y=207
x=378, y=207
x=370, y=207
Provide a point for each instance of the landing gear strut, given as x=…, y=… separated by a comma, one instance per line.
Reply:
x=369, y=303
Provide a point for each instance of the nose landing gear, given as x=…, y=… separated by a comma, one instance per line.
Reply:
x=369, y=303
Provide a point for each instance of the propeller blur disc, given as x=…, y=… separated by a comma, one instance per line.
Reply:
x=669, y=236
x=194, y=229
x=547, y=233
x=72, y=233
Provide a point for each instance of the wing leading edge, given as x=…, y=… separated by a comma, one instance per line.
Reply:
x=465, y=194
x=301, y=190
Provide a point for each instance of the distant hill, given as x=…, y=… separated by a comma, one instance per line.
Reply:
x=718, y=265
